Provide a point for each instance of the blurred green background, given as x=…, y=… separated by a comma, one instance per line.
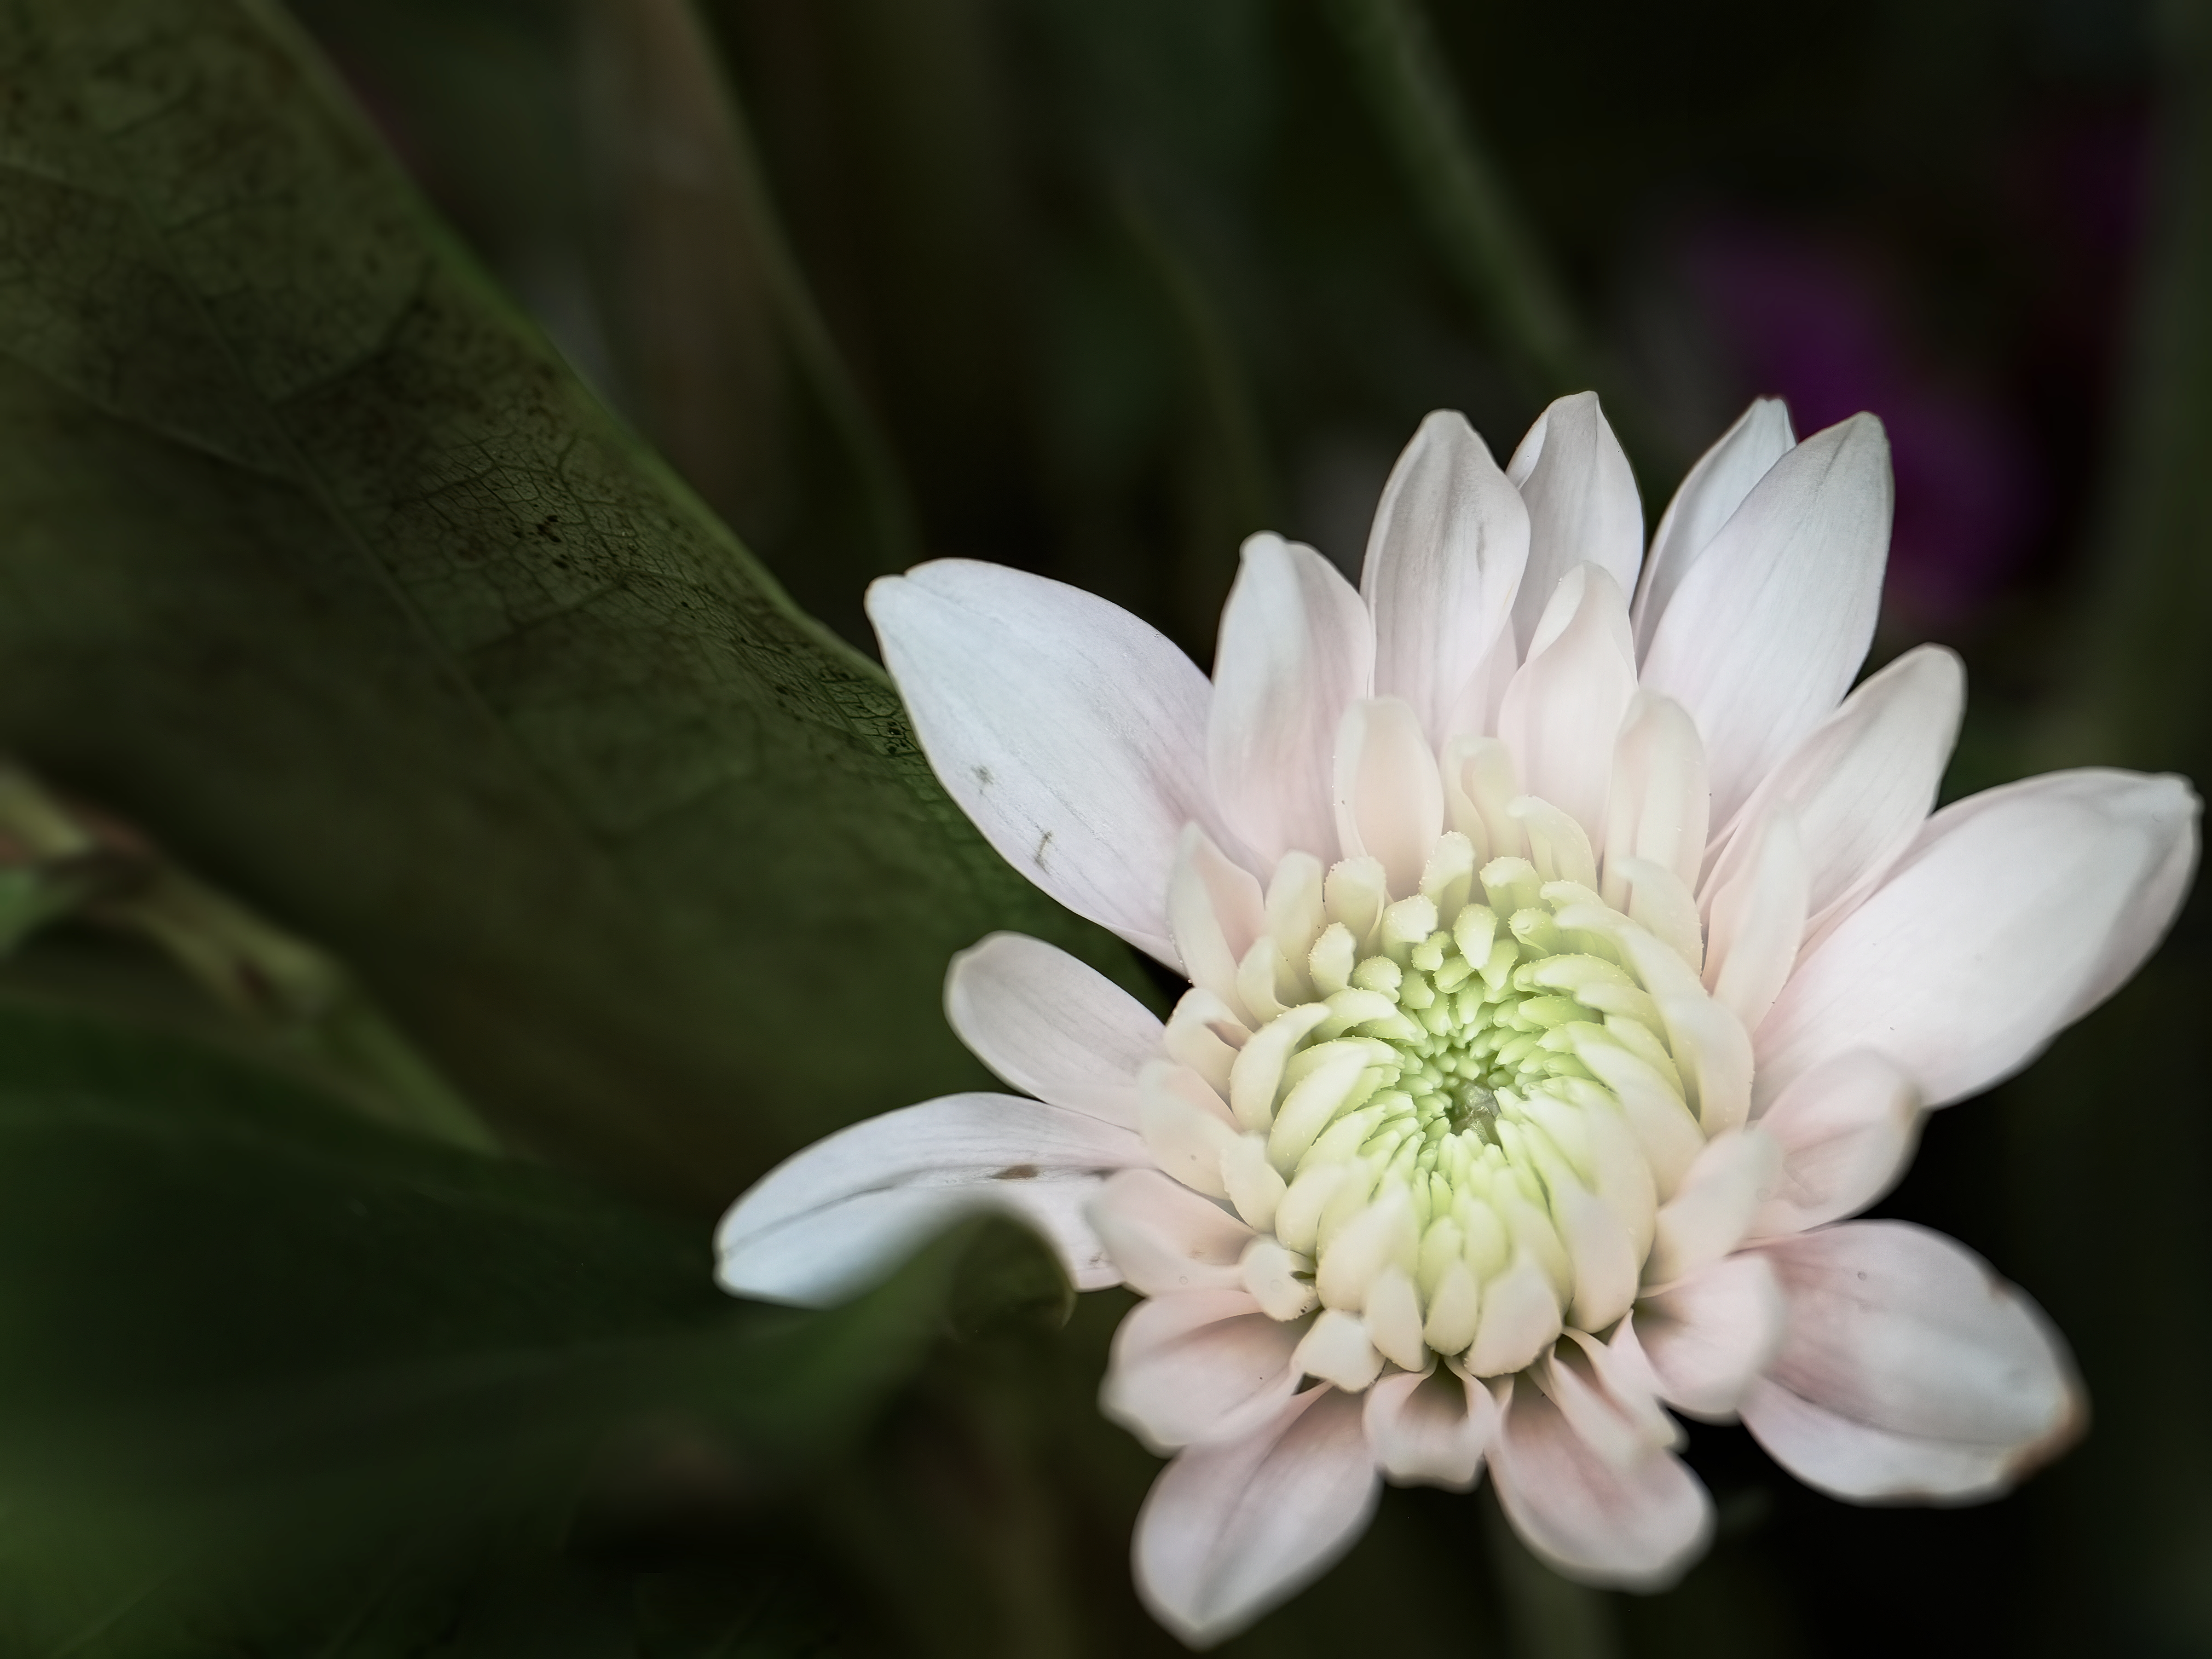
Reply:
x=1096, y=287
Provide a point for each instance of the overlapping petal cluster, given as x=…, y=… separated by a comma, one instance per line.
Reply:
x=1570, y=957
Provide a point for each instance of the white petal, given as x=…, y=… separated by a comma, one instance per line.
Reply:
x=1336, y=1349
x=829, y=1221
x=1635, y=1520
x=1444, y=562
x=1198, y=1365
x=1658, y=806
x=2007, y=914
x=1847, y=1128
x=1709, y=497
x=1582, y=506
x=1215, y=913
x=1707, y=1338
x=1766, y=630
x=1862, y=783
x=1563, y=711
x=1431, y=1431
x=1072, y=735
x=1165, y=1237
x=1187, y=1130
x=1296, y=649
x=1758, y=920
x=1389, y=797
x=1909, y=1369
x=1711, y=1211
x=1231, y=1530
x=1050, y=1025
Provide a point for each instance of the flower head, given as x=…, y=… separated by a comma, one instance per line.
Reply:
x=1564, y=971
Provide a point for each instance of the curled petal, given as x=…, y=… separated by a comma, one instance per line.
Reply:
x=2012, y=911
x=1710, y=1213
x=828, y=1222
x=1762, y=638
x=1052, y=1025
x=1707, y=1338
x=1165, y=1237
x=1708, y=499
x=1582, y=506
x=1846, y=1129
x=1389, y=797
x=1443, y=563
x=1230, y=1530
x=1909, y=1370
x=1431, y=1430
x=1563, y=707
x=1296, y=650
x=1215, y=914
x=1628, y=1515
x=1659, y=802
x=1198, y=1365
x=1070, y=734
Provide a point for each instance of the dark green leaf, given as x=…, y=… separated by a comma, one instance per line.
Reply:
x=317, y=561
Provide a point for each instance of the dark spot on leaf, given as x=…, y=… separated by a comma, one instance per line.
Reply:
x=983, y=777
x=1016, y=1172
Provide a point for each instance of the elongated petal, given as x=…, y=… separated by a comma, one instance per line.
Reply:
x=1071, y=734
x=1582, y=506
x=1444, y=562
x=1862, y=783
x=1909, y=1369
x=1708, y=499
x=1762, y=638
x=1659, y=804
x=1709, y=1337
x=1165, y=1238
x=1296, y=650
x=1048, y=1024
x=1712, y=1213
x=2003, y=918
x=1636, y=1519
x=1758, y=920
x=1231, y=1530
x=1198, y=1365
x=826, y=1223
x=1431, y=1431
x=1215, y=914
x=1390, y=796
x=1563, y=711
x=1846, y=1129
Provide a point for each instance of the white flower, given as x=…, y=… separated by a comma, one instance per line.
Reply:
x=1565, y=970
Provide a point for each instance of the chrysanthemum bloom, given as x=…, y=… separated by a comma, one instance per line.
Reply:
x=1565, y=970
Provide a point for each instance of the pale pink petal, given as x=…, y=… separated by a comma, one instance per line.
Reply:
x=1431, y=1430
x=1909, y=1370
x=1861, y=785
x=1708, y=499
x=1187, y=1130
x=1198, y=1365
x=1762, y=638
x=1711, y=1211
x=1390, y=796
x=2005, y=916
x=1052, y=1025
x=1563, y=711
x=1071, y=734
x=1636, y=1519
x=2158, y=900
x=829, y=1221
x=1658, y=804
x=1231, y=1530
x=1758, y=919
x=1583, y=507
x=1165, y=1237
x=1847, y=1128
x=1708, y=1337
x=1296, y=649
x=1215, y=913
x=1444, y=562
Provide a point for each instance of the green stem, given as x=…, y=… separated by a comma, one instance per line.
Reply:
x=1548, y=1617
x=1495, y=258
